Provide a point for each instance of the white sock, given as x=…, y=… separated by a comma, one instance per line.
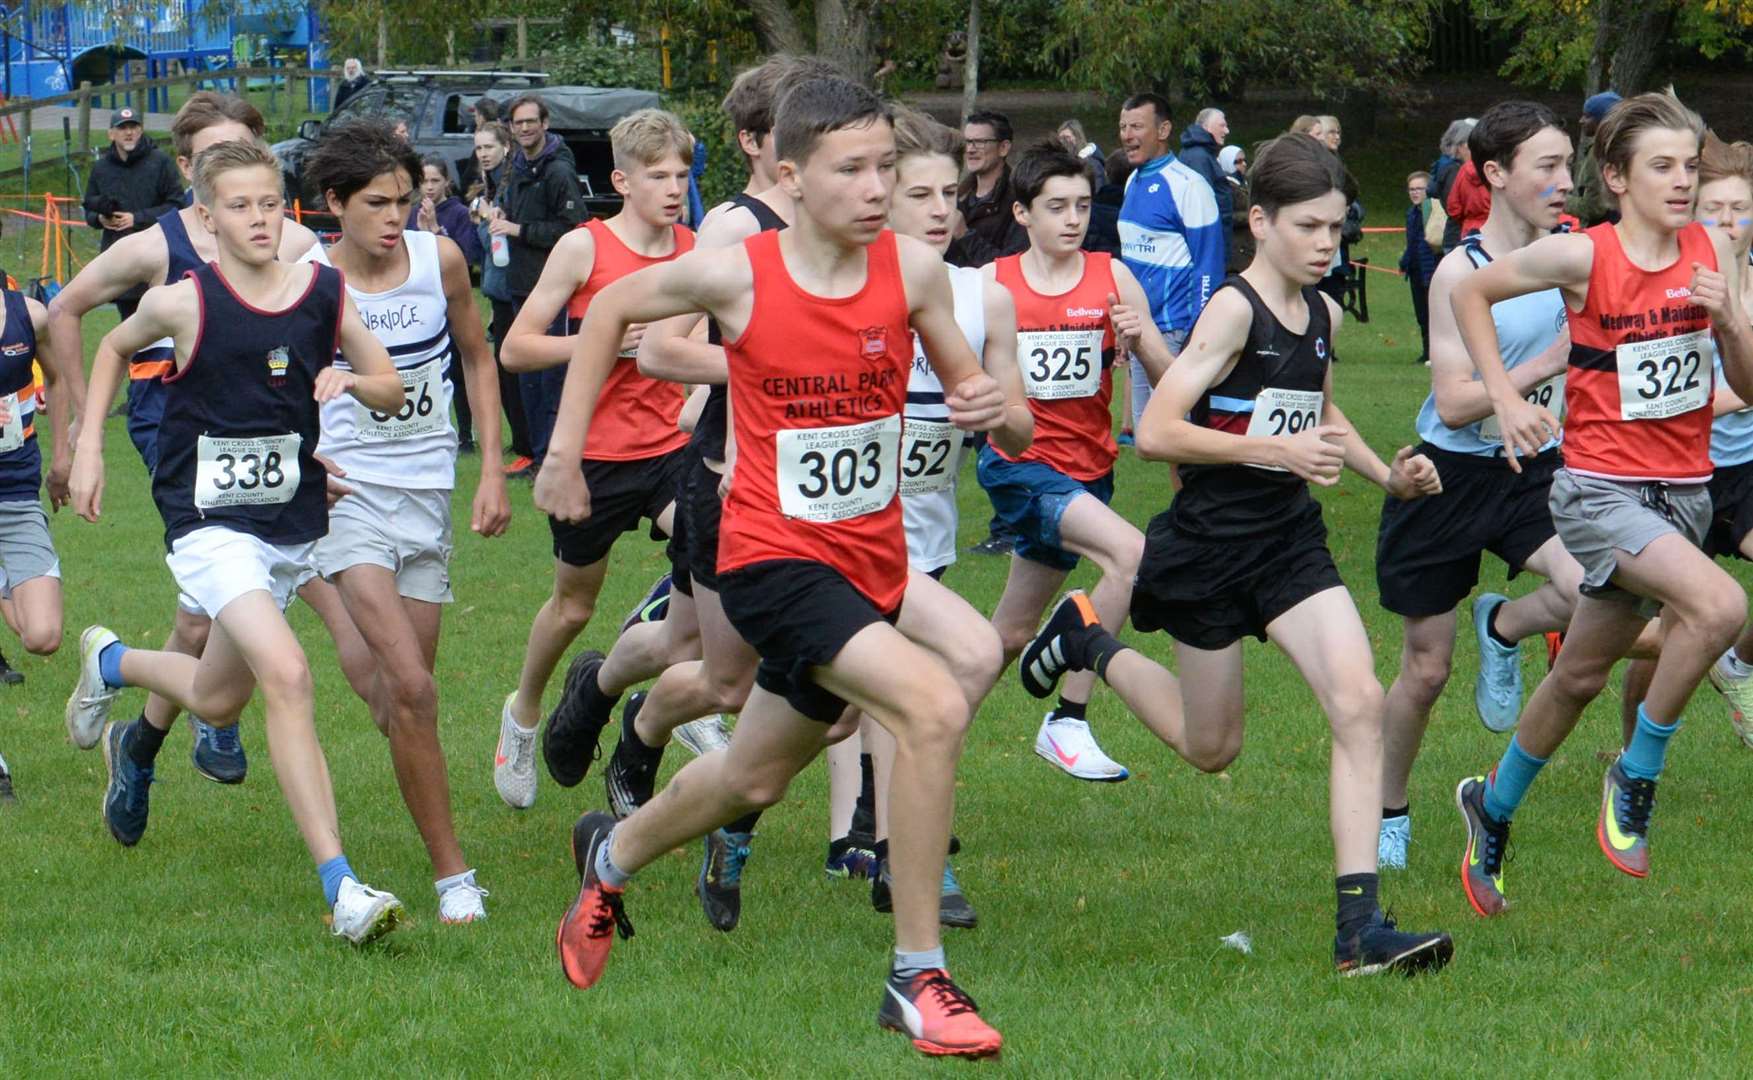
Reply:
x=1733, y=664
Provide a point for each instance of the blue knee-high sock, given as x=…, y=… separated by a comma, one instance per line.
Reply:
x=1508, y=783
x=333, y=873
x=1648, y=751
x=109, y=664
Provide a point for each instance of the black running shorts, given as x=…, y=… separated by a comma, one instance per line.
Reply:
x=1731, y=518
x=621, y=492
x=701, y=505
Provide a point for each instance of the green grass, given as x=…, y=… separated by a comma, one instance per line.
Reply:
x=202, y=951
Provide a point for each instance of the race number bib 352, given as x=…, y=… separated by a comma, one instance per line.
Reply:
x=246, y=472
x=836, y=473
x=1060, y=364
x=1281, y=413
x=1548, y=395
x=1665, y=377
x=931, y=452
x=420, y=413
x=12, y=431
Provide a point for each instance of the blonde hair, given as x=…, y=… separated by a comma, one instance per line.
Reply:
x=1616, y=135
x=646, y=136
x=917, y=134
x=1305, y=124
x=229, y=156
x=1331, y=123
x=1721, y=160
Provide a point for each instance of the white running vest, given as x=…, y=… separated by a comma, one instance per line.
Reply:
x=931, y=449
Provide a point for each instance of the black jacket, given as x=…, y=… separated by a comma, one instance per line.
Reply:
x=145, y=183
x=346, y=89
x=992, y=225
x=543, y=197
x=1199, y=153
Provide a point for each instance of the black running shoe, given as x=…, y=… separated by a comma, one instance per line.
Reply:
x=1380, y=946
x=953, y=908
x=631, y=774
x=994, y=545
x=1043, y=660
x=720, y=884
x=8, y=676
x=569, y=738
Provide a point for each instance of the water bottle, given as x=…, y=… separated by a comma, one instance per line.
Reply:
x=501, y=251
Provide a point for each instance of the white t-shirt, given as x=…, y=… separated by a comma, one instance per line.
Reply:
x=931, y=448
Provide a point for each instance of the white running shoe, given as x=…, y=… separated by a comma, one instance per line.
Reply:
x=704, y=735
x=461, y=903
x=1737, y=690
x=364, y=914
x=1069, y=745
x=88, y=707
x=514, y=761
x=1392, y=842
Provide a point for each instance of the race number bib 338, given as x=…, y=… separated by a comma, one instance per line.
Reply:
x=1548, y=395
x=1665, y=377
x=246, y=472
x=1060, y=364
x=931, y=452
x=1281, y=413
x=12, y=431
x=836, y=473
x=420, y=413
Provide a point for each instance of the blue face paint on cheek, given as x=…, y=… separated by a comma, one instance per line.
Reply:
x=1742, y=223
x=1547, y=194
x=1709, y=223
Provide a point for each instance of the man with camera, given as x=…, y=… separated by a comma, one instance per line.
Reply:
x=132, y=185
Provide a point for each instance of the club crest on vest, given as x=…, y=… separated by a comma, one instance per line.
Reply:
x=873, y=341
x=278, y=361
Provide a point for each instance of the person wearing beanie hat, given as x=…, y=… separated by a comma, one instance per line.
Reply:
x=1588, y=202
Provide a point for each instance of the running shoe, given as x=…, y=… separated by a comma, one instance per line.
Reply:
x=218, y=752
x=1624, y=826
x=704, y=735
x=1068, y=744
x=1497, y=692
x=1391, y=845
x=1737, y=690
x=6, y=794
x=1383, y=947
x=994, y=545
x=520, y=467
x=720, y=884
x=1487, y=841
x=125, y=801
x=569, y=741
x=630, y=777
x=1554, y=646
x=514, y=760
x=848, y=859
x=1124, y=438
x=462, y=902
x=88, y=707
x=363, y=914
x=587, y=931
x=8, y=675
x=652, y=607
x=953, y=908
x=939, y=1016
x=1044, y=660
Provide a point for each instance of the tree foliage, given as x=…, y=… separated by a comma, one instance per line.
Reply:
x=1615, y=43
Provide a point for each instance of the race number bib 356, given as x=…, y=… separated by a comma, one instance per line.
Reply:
x=1665, y=377
x=12, y=431
x=420, y=413
x=246, y=472
x=931, y=452
x=1281, y=413
x=1060, y=364
x=1548, y=395
x=836, y=473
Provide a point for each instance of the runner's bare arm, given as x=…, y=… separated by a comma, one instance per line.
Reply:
x=60, y=387
x=974, y=399
x=1719, y=292
x=140, y=259
x=528, y=346
x=1134, y=309
x=1461, y=397
x=491, y=512
x=691, y=409
x=171, y=311
x=295, y=240
x=677, y=349
x=1014, y=435
x=373, y=382
x=1410, y=476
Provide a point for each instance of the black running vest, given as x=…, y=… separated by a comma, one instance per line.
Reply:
x=709, y=428
x=21, y=461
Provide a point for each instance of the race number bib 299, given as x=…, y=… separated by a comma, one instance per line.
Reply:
x=246, y=472
x=1665, y=377
x=836, y=473
x=931, y=452
x=12, y=430
x=1281, y=413
x=1548, y=395
x=1060, y=364
x=419, y=414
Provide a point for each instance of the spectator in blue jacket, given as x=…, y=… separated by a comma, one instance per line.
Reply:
x=1171, y=236
x=1418, y=261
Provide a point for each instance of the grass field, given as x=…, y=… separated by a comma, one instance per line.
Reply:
x=203, y=951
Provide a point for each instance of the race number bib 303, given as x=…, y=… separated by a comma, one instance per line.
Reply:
x=1280, y=413
x=246, y=472
x=1060, y=364
x=420, y=413
x=1665, y=377
x=12, y=431
x=931, y=452
x=836, y=473
x=1548, y=395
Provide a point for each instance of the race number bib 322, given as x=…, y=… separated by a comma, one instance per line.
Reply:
x=12, y=431
x=836, y=473
x=1281, y=413
x=1665, y=377
x=931, y=452
x=246, y=472
x=420, y=413
x=1548, y=395
x=1060, y=364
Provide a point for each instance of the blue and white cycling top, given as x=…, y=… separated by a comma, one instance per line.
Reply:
x=1172, y=241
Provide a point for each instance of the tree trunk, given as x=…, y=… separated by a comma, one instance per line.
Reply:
x=1634, y=61
x=1595, y=79
x=971, y=67
x=776, y=28
x=845, y=37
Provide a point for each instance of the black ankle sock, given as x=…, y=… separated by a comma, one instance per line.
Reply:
x=1100, y=648
x=864, y=811
x=1395, y=811
x=144, y=741
x=1491, y=627
x=744, y=824
x=630, y=736
x=882, y=850
x=1357, y=901
x=1071, y=710
x=597, y=702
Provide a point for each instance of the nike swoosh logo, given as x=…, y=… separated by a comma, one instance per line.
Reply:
x=1619, y=840
x=499, y=757
x=1068, y=762
x=1352, y=892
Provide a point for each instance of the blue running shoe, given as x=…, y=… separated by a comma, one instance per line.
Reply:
x=124, y=802
x=720, y=884
x=1391, y=845
x=653, y=607
x=1497, y=693
x=218, y=753
x=849, y=858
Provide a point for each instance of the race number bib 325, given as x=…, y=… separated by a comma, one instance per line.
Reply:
x=1665, y=377
x=1060, y=364
x=246, y=472
x=1281, y=413
x=836, y=473
x=931, y=452
x=12, y=431
x=1548, y=395
x=420, y=413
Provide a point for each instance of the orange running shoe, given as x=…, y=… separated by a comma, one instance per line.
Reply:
x=937, y=1015
x=518, y=464
x=587, y=932
x=1554, y=643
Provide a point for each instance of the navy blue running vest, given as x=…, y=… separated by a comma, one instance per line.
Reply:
x=21, y=461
